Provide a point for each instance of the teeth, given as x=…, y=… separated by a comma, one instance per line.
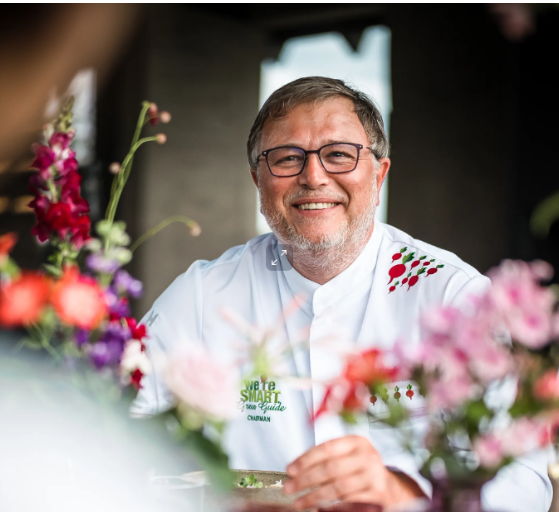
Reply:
x=315, y=206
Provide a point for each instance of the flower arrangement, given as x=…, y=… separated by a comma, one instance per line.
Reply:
x=77, y=308
x=486, y=375
x=68, y=311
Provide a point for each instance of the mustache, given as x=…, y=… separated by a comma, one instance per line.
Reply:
x=334, y=197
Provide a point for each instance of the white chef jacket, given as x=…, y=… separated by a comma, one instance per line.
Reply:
x=362, y=304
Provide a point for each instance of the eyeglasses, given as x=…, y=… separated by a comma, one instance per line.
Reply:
x=336, y=158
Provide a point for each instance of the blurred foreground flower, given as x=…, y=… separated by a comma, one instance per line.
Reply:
x=206, y=389
x=23, y=299
x=487, y=374
x=79, y=300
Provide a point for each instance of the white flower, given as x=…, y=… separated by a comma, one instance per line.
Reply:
x=134, y=358
x=209, y=387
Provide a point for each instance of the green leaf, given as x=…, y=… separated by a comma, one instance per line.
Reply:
x=409, y=257
x=544, y=215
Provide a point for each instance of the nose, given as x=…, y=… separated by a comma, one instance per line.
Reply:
x=313, y=175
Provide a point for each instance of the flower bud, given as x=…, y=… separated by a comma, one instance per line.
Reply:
x=195, y=229
x=114, y=168
x=161, y=138
x=165, y=117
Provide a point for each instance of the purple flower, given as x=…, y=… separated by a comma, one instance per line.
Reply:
x=108, y=350
x=82, y=337
x=118, y=306
x=99, y=263
x=125, y=283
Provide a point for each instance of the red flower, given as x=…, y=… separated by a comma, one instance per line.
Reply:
x=80, y=230
x=67, y=165
x=22, y=300
x=136, y=378
x=138, y=332
x=59, y=217
x=368, y=368
x=7, y=241
x=79, y=300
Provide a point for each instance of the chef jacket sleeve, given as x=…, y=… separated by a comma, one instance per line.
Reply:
x=174, y=318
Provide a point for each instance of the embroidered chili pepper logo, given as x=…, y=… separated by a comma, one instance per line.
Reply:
x=407, y=264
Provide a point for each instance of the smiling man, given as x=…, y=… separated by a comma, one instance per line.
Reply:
x=319, y=156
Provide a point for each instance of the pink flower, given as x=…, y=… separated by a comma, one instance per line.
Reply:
x=61, y=139
x=203, y=384
x=450, y=392
x=69, y=164
x=547, y=386
x=525, y=307
x=489, y=450
x=44, y=157
x=524, y=435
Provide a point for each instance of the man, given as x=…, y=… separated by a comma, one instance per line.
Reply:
x=318, y=155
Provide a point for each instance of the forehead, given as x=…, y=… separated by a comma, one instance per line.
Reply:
x=318, y=122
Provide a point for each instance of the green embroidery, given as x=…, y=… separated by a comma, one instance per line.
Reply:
x=262, y=396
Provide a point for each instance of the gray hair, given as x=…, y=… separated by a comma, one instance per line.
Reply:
x=313, y=89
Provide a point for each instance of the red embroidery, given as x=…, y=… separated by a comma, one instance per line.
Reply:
x=404, y=263
x=397, y=395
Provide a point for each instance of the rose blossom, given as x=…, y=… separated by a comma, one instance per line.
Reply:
x=202, y=383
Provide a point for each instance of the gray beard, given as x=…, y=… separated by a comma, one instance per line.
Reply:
x=336, y=251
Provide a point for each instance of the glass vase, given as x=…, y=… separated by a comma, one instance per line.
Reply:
x=457, y=495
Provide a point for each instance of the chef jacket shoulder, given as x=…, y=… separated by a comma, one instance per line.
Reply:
x=179, y=311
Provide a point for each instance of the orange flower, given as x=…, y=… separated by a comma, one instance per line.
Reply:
x=7, y=241
x=79, y=300
x=23, y=299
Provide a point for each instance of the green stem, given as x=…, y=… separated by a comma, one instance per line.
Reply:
x=189, y=223
x=120, y=179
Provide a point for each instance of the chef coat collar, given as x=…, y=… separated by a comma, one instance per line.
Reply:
x=318, y=298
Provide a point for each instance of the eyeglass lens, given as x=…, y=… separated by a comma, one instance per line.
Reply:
x=339, y=157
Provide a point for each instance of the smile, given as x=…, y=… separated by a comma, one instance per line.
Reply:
x=315, y=206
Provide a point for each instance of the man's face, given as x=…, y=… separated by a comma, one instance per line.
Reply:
x=348, y=201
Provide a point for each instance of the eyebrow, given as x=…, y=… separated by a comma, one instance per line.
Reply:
x=328, y=141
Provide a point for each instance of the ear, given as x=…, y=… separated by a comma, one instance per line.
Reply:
x=382, y=170
x=254, y=176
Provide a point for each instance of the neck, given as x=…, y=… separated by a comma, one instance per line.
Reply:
x=322, y=265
